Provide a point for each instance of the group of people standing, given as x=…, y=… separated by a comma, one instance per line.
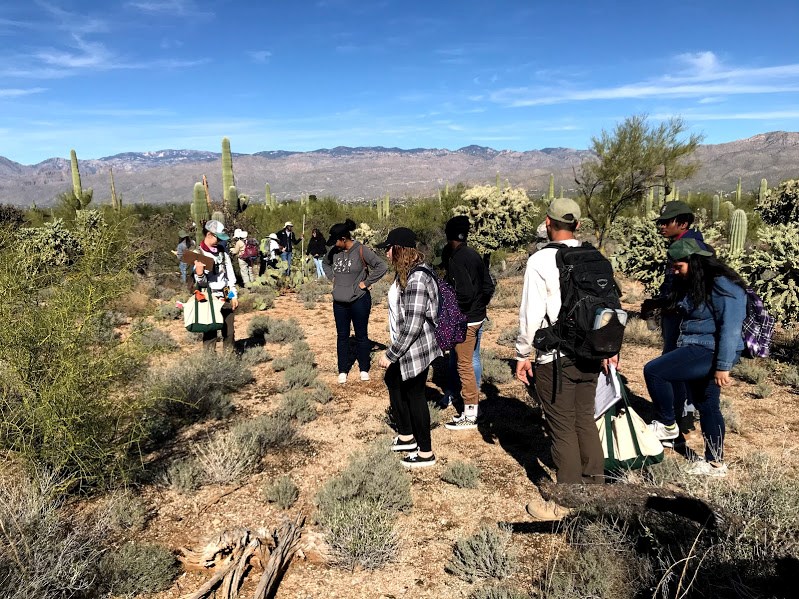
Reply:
x=702, y=305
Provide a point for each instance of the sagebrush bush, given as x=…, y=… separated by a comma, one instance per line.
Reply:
x=168, y=311
x=790, y=377
x=127, y=512
x=485, y=554
x=184, y=475
x=276, y=331
x=312, y=292
x=255, y=355
x=280, y=363
x=299, y=376
x=372, y=475
x=636, y=331
x=137, y=568
x=749, y=371
x=498, y=591
x=732, y=420
x=270, y=430
x=282, y=491
x=461, y=474
x=496, y=370
x=320, y=392
x=508, y=337
x=230, y=455
x=508, y=294
x=360, y=532
x=762, y=390
x=151, y=338
x=296, y=405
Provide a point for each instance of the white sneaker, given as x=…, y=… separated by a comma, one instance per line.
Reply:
x=342, y=378
x=704, y=468
x=664, y=432
x=364, y=375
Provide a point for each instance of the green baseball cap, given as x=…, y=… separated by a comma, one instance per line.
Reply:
x=671, y=210
x=683, y=248
x=564, y=210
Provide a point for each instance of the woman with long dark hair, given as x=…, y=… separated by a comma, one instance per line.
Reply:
x=412, y=315
x=317, y=249
x=353, y=268
x=711, y=298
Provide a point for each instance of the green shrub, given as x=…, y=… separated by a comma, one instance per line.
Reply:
x=151, y=338
x=230, y=455
x=636, y=331
x=255, y=355
x=127, y=512
x=299, y=376
x=485, y=554
x=270, y=430
x=138, y=568
x=168, y=311
x=276, y=331
x=372, y=475
x=732, y=420
x=773, y=268
x=498, y=591
x=320, y=392
x=461, y=474
x=360, y=531
x=184, y=476
x=495, y=370
x=280, y=364
x=641, y=253
x=762, y=390
x=790, y=377
x=283, y=492
x=749, y=371
x=311, y=293
x=297, y=405
x=508, y=337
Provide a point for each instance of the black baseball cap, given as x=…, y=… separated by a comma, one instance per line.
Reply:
x=401, y=236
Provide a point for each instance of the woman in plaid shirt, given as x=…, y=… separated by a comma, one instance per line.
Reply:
x=412, y=316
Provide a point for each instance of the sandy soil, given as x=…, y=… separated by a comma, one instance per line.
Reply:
x=511, y=450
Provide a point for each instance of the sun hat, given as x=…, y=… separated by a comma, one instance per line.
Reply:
x=401, y=236
x=236, y=233
x=182, y=233
x=671, y=210
x=288, y=224
x=273, y=236
x=564, y=210
x=218, y=229
x=683, y=248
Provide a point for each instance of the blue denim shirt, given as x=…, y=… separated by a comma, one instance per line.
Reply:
x=718, y=325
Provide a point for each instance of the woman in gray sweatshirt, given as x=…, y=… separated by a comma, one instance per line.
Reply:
x=353, y=268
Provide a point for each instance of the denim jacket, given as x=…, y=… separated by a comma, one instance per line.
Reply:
x=717, y=325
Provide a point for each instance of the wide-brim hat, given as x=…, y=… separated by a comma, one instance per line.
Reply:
x=401, y=236
x=288, y=224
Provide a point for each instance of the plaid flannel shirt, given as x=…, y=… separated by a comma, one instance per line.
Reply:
x=417, y=315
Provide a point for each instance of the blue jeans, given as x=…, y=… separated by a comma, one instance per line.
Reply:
x=184, y=269
x=287, y=257
x=454, y=382
x=320, y=272
x=692, y=365
x=357, y=314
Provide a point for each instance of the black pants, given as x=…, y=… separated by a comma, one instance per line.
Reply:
x=356, y=314
x=409, y=405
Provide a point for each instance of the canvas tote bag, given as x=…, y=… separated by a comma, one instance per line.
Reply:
x=626, y=440
x=202, y=317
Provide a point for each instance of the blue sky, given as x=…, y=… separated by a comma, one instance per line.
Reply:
x=143, y=75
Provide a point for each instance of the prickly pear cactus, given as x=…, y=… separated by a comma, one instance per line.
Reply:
x=781, y=205
x=773, y=268
x=504, y=218
x=642, y=255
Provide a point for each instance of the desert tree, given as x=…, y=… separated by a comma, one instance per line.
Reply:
x=628, y=162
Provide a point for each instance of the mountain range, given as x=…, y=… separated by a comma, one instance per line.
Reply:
x=364, y=173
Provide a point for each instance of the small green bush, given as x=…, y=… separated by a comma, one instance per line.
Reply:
x=508, y=337
x=731, y=418
x=283, y=492
x=230, y=455
x=151, y=338
x=138, y=568
x=762, y=390
x=280, y=363
x=184, y=476
x=372, y=475
x=270, y=430
x=461, y=474
x=749, y=371
x=360, y=531
x=320, y=392
x=255, y=355
x=311, y=293
x=498, y=591
x=485, y=554
x=168, y=312
x=276, y=331
x=297, y=405
x=495, y=370
x=127, y=512
x=790, y=377
x=299, y=376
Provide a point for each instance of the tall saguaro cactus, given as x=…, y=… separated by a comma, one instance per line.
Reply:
x=227, y=170
x=199, y=209
x=714, y=208
x=116, y=201
x=650, y=198
x=763, y=190
x=737, y=231
x=738, y=192
x=76, y=186
x=551, y=187
x=79, y=198
x=269, y=199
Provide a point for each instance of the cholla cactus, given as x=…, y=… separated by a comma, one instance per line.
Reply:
x=367, y=235
x=643, y=255
x=781, y=205
x=89, y=226
x=500, y=218
x=48, y=246
x=773, y=269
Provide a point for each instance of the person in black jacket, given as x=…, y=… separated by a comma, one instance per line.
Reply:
x=468, y=275
x=317, y=249
x=287, y=240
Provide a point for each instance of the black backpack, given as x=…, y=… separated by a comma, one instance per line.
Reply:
x=588, y=325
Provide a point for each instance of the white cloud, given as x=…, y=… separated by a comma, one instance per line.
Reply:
x=18, y=93
x=261, y=56
x=181, y=8
x=766, y=115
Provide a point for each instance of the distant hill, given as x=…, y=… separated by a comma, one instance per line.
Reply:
x=353, y=174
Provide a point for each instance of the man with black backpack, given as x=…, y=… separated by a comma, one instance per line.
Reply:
x=569, y=293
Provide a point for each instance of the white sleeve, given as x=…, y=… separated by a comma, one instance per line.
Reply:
x=532, y=310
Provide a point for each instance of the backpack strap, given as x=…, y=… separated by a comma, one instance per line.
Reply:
x=428, y=272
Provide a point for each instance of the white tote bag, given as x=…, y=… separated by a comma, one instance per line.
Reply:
x=202, y=316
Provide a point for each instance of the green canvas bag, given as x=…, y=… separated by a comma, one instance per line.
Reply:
x=202, y=317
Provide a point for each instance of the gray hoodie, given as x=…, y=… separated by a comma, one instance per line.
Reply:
x=346, y=269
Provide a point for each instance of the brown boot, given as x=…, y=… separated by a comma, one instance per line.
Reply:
x=546, y=511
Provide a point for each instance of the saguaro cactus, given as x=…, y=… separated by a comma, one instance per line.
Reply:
x=269, y=199
x=76, y=187
x=763, y=190
x=116, y=201
x=737, y=231
x=551, y=187
x=738, y=191
x=80, y=197
x=650, y=198
x=199, y=209
x=227, y=170
x=714, y=208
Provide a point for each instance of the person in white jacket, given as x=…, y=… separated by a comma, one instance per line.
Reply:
x=219, y=281
x=238, y=250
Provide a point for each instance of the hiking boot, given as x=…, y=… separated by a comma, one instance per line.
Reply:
x=342, y=378
x=546, y=511
x=664, y=432
x=399, y=445
x=364, y=375
x=705, y=468
x=461, y=423
x=412, y=460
